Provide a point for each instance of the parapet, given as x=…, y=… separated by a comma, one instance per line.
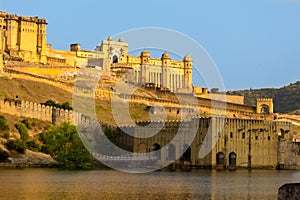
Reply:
x=264, y=99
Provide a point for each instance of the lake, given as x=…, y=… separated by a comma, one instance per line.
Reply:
x=39, y=184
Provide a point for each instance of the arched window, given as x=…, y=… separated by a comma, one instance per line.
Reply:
x=265, y=109
x=220, y=160
x=171, y=152
x=115, y=59
x=232, y=160
x=156, y=151
x=187, y=153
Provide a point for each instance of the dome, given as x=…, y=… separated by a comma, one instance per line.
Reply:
x=145, y=53
x=110, y=38
x=187, y=58
x=165, y=56
x=120, y=40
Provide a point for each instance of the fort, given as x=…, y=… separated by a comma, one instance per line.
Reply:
x=241, y=143
x=246, y=136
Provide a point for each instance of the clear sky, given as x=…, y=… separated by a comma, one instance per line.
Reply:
x=254, y=43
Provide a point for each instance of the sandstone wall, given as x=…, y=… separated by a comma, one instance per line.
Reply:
x=42, y=112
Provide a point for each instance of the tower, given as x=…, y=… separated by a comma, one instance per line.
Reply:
x=264, y=105
x=42, y=40
x=188, y=68
x=114, y=51
x=166, y=79
x=11, y=29
x=75, y=47
x=145, y=56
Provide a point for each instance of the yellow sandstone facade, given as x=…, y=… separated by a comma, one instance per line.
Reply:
x=24, y=37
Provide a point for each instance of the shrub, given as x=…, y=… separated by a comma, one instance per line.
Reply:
x=17, y=145
x=26, y=123
x=3, y=155
x=33, y=145
x=65, y=106
x=50, y=103
x=22, y=130
x=3, y=125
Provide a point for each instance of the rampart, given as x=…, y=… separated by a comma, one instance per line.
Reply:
x=41, y=112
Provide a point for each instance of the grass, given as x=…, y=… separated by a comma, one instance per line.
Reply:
x=32, y=91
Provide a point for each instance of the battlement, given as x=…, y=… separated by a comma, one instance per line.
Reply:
x=264, y=99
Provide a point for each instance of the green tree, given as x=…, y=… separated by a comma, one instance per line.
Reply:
x=65, y=146
x=50, y=103
x=66, y=106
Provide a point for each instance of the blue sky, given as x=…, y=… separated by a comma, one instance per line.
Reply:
x=255, y=44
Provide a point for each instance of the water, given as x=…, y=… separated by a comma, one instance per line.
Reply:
x=39, y=184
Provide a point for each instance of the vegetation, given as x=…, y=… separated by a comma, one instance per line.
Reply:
x=3, y=125
x=286, y=99
x=33, y=145
x=3, y=155
x=23, y=131
x=26, y=123
x=17, y=145
x=65, y=106
x=65, y=146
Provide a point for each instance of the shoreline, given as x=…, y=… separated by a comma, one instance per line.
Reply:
x=4, y=165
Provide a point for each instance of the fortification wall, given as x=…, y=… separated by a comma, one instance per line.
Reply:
x=223, y=97
x=235, y=136
x=34, y=110
x=254, y=143
x=206, y=107
x=12, y=73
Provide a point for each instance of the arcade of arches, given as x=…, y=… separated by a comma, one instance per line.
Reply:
x=241, y=143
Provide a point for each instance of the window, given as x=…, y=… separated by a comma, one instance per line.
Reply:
x=243, y=135
x=256, y=137
x=269, y=138
x=231, y=135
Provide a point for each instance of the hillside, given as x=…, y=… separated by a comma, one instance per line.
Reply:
x=32, y=91
x=38, y=92
x=286, y=99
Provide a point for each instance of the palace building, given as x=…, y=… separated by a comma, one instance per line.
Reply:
x=25, y=38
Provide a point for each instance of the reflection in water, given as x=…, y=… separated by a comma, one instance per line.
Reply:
x=107, y=184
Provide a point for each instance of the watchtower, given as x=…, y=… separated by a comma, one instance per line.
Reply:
x=74, y=47
x=264, y=105
x=188, y=68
